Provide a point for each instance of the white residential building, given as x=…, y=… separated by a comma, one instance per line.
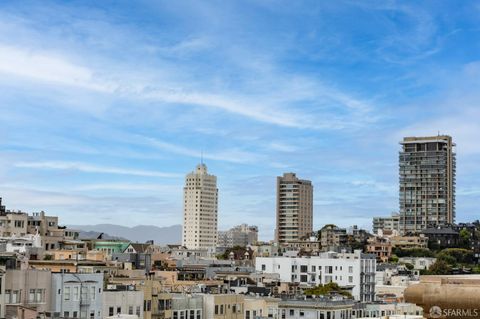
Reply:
x=20, y=245
x=353, y=271
x=419, y=263
x=123, y=300
x=200, y=210
x=77, y=295
x=324, y=308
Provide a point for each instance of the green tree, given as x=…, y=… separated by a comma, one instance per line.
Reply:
x=409, y=266
x=447, y=258
x=327, y=289
x=456, y=256
x=393, y=259
x=440, y=267
x=465, y=237
x=413, y=252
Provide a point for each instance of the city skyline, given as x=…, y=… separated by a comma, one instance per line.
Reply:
x=105, y=108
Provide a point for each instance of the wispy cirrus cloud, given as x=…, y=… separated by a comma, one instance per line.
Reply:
x=129, y=187
x=228, y=155
x=89, y=168
x=54, y=69
x=79, y=208
x=48, y=67
x=270, y=96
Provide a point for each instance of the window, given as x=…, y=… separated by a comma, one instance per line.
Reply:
x=110, y=311
x=350, y=279
x=292, y=312
x=75, y=293
x=40, y=295
x=137, y=312
x=303, y=268
x=216, y=309
x=92, y=293
x=16, y=296
x=119, y=309
x=75, y=314
x=84, y=293
x=247, y=314
x=175, y=315
x=264, y=267
x=199, y=314
x=31, y=295
x=92, y=314
x=350, y=269
x=66, y=314
x=66, y=293
x=192, y=314
x=303, y=278
x=165, y=304
x=130, y=310
x=302, y=314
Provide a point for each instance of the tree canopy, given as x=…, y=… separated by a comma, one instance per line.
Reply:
x=327, y=289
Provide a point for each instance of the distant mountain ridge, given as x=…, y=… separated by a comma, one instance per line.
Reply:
x=141, y=233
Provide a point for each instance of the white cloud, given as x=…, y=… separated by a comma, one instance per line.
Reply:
x=282, y=147
x=30, y=199
x=463, y=126
x=160, y=189
x=48, y=67
x=57, y=70
x=376, y=187
x=76, y=209
x=88, y=168
x=228, y=155
x=269, y=102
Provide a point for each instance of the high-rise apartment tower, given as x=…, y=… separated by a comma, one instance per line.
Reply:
x=427, y=183
x=294, y=208
x=200, y=209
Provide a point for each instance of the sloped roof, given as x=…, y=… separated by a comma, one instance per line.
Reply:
x=139, y=248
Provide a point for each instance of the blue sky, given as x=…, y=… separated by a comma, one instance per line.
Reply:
x=105, y=106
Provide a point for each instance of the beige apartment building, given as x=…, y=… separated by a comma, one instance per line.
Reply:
x=427, y=183
x=13, y=224
x=261, y=307
x=223, y=306
x=200, y=210
x=294, y=208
